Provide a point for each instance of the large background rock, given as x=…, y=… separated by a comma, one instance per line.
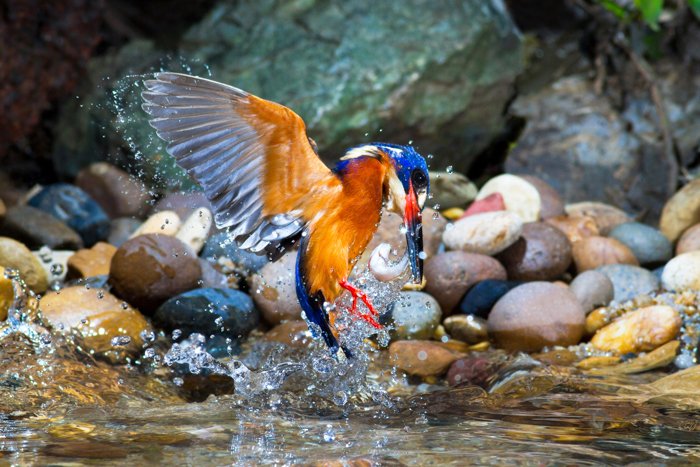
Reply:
x=439, y=74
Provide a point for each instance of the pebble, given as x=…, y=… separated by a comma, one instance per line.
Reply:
x=117, y=192
x=221, y=248
x=575, y=228
x=681, y=211
x=162, y=222
x=195, y=230
x=101, y=319
x=55, y=263
x=593, y=252
x=487, y=233
x=452, y=214
x=14, y=255
x=491, y=203
x=647, y=244
x=36, y=228
x=451, y=190
x=593, y=289
x=689, y=241
x=473, y=370
x=291, y=333
x=73, y=206
x=537, y=315
x=542, y=253
x=639, y=331
x=273, y=289
x=208, y=311
x=630, y=281
x=605, y=216
x=481, y=297
x=519, y=196
x=414, y=315
x=121, y=229
x=422, y=358
x=212, y=277
x=449, y=275
x=7, y=295
x=467, y=328
x=682, y=272
x=183, y=203
x=149, y=269
x=552, y=203
x=90, y=262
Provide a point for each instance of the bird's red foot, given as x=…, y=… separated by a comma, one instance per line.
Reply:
x=357, y=293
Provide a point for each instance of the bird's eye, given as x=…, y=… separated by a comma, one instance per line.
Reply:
x=419, y=179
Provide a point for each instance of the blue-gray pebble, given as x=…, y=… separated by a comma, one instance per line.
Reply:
x=414, y=315
x=481, y=298
x=223, y=245
x=648, y=244
x=630, y=281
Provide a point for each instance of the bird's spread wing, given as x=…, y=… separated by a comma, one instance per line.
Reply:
x=251, y=156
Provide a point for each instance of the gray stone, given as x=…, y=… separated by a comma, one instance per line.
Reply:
x=451, y=190
x=630, y=281
x=648, y=244
x=415, y=315
x=593, y=289
x=36, y=228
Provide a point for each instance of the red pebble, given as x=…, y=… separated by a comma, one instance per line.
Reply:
x=493, y=202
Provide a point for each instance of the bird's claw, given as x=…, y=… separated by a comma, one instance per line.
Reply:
x=357, y=293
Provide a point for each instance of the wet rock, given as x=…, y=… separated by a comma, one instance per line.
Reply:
x=7, y=295
x=449, y=275
x=681, y=211
x=491, y=203
x=414, y=315
x=14, y=255
x=73, y=206
x=605, y=216
x=91, y=262
x=639, y=331
x=487, y=233
x=183, y=203
x=274, y=291
x=212, y=277
x=630, y=281
x=149, y=269
x=593, y=252
x=221, y=246
x=657, y=358
x=552, y=203
x=55, y=263
x=481, y=298
x=211, y=312
x=422, y=358
x=536, y=315
x=467, y=328
x=291, y=333
x=575, y=228
x=451, y=190
x=593, y=289
x=108, y=327
x=162, y=222
x=647, y=244
x=519, y=196
x=473, y=370
x=121, y=229
x=682, y=272
x=35, y=228
x=118, y=193
x=195, y=230
x=542, y=253
x=689, y=241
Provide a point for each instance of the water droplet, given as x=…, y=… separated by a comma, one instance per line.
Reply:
x=176, y=334
x=56, y=269
x=178, y=381
x=149, y=353
x=219, y=321
x=422, y=255
x=120, y=341
x=329, y=434
x=449, y=169
x=436, y=206
x=436, y=216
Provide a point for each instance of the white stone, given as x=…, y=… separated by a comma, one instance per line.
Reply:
x=487, y=233
x=163, y=222
x=519, y=196
x=682, y=272
x=195, y=230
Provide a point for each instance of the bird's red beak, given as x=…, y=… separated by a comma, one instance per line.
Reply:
x=413, y=222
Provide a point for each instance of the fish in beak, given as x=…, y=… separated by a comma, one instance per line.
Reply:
x=413, y=223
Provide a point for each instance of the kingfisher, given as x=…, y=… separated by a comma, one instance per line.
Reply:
x=267, y=185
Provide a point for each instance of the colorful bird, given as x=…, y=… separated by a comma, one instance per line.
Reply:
x=267, y=184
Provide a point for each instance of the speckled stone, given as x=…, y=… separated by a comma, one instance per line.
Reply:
x=630, y=281
x=639, y=330
x=593, y=289
x=682, y=272
x=649, y=245
x=486, y=233
x=542, y=253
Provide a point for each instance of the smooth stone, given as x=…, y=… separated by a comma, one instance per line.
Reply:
x=541, y=253
x=606, y=217
x=594, y=252
x=647, y=244
x=414, y=315
x=121, y=229
x=221, y=246
x=481, y=298
x=451, y=190
x=682, y=272
x=212, y=277
x=452, y=214
x=195, y=229
x=90, y=262
x=630, y=281
x=422, y=358
x=55, y=263
x=162, y=222
x=449, y=275
x=223, y=312
x=593, y=289
x=467, y=328
x=108, y=327
x=474, y=370
x=487, y=233
x=552, y=202
x=36, y=228
x=117, y=192
x=537, y=315
x=689, y=241
x=657, y=358
x=519, y=196
x=75, y=208
x=639, y=330
x=575, y=228
x=149, y=269
x=14, y=255
x=273, y=289
x=681, y=211
x=183, y=203
x=291, y=333
x=7, y=294
x=491, y=203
